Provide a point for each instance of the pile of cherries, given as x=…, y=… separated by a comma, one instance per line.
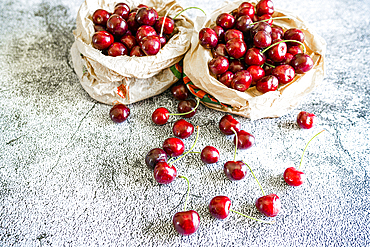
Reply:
x=137, y=32
x=249, y=51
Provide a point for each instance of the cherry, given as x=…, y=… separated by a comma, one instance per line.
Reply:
x=150, y=45
x=128, y=40
x=98, y=28
x=220, y=32
x=267, y=83
x=236, y=65
x=288, y=58
x=266, y=17
x=123, y=10
x=117, y=49
x=119, y=113
x=260, y=26
x=164, y=173
x=235, y=170
x=220, y=50
x=145, y=31
x=100, y=17
x=256, y=72
x=233, y=34
x=209, y=155
x=146, y=16
x=116, y=25
x=226, y=21
x=294, y=50
x=269, y=205
x=306, y=120
x=254, y=56
x=243, y=23
x=284, y=73
x=278, y=52
x=227, y=124
x=218, y=65
x=241, y=80
x=262, y=39
x=133, y=25
x=186, y=106
x=154, y=156
x=180, y=91
x=277, y=33
x=182, y=129
x=168, y=25
x=162, y=39
x=226, y=78
x=245, y=139
x=136, y=51
x=246, y=9
x=264, y=7
x=294, y=34
x=160, y=116
x=236, y=48
x=208, y=38
x=219, y=207
x=173, y=146
x=301, y=63
x=102, y=40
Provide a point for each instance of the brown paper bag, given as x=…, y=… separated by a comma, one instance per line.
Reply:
x=127, y=79
x=251, y=103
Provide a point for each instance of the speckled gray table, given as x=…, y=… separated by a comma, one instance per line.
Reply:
x=69, y=176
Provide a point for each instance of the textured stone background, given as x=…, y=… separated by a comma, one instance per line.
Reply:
x=69, y=176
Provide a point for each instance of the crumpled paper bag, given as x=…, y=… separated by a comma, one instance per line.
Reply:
x=126, y=79
x=251, y=103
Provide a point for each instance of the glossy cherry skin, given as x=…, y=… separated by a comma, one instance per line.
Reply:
x=245, y=140
x=117, y=49
x=163, y=173
x=226, y=21
x=269, y=205
x=253, y=56
x=209, y=155
x=150, y=45
x=186, y=106
x=116, y=25
x=102, y=40
x=301, y=63
x=243, y=23
x=128, y=40
x=186, y=223
x=100, y=17
x=145, y=31
x=277, y=33
x=218, y=65
x=284, y=73
x=219, y=207
x=294, y=177
x=98, y=28
x=173, y=146
x=226, y=78
x=119, y=113
x=306, y=120
x=160, y=116
x=235, y=170
x=146, y=16
x=182, y=129
x=246, y=9
x=260, y=26
x=236, y=48
x=262, y=39
x=123, y=10
x=136, y=51
x=267, y=84
x=169, y=25
x=294, y=34
x=265, y=17
x=133, y=25
x=227, y=123
x=180, y=91
x=208, y=38
x=220, y=32
x=277, y=53
x=294, y=50
x=162, y=39
x=264, y=7
x=288, y=58
x=233, y=34
x=256, y=72
x=236, y=65
x=154, y=156
x=220, y=50
x=241, y=80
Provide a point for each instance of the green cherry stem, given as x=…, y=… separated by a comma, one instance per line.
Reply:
x=272, y=66
x=236, y=142
x=263, y=221
x=180, y=114
x=196, y=139
x=263, y=193
x=274, y=18
x=190, y=8
x=194, y=152
x=188, y=192
x=283, y=41
x=300, y=163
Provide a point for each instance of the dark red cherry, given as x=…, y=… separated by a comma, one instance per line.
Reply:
x=186, y=223
x=136, y=51
x=233, y=34
x=246, y=9
x=277, y=53
x=162, y=39
x=98, y=28
x=128, y=40
x=102, y=40
x=236, y=65
x=267, y=84
x=301, y=63
x=160, y=116
x=262, y=39
x=163, y=173
x=154, y=156
x=119, y=113
x=294, y=177
x=256, y=72
x=117, y=49
x=226, y=78
x=277, y=33
x=306, y=120
x=236, y=48
x=294, y=34
x=150, y=45
x=173, y=146
x=169, y=25
x=186, y=106
x=180, y=91
x=269, y=205
x=241, y=80
x=294, y=50
x=288, y=58
x=218, y=65
x=209, y=155
x=227, y=123
x=116, y=25
x=219, y=207
x=235, y=170
x=182, y=129
x=208, y=38
x=268, y=69
x=123, y=10
x=265, y=17
x=260, y=26
x=220, y=50
x=100, y=17
x=243, y=23
x=265, y=7
x=284, y=73
x=220, y=32
x=133, y=25
x=146, y=16
x=245, y=140
x=145, y=31
x=253, y=56
x=226, y=21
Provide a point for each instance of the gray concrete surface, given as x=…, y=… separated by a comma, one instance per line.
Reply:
x=69, y=176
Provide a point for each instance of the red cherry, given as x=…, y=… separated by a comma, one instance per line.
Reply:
x=209, y=155
x=146, y=16
x=169, y=25
x=226, y=21
x=301, y=63
x=277, y=33
x=163, y=173
x=236, y=65
x=186, y=223
x=265, y=7
x=294, y=177
x=187, y=106
x=117, y=49
x=119, y=113
x=267, y=84
x=306, y=120
x=220, y=50
x=294, y=34
x=180, y=91
x=227, y=123
x=220, y=32
x=269, y=205
x=218, y=65
x=182, y=129
x=241, y=80
x=256, y=72
x=226, y=78
x=284, y=73
x=236, y=48
x=208, y=38
x=278, y=52
x=235, y=170
x=154, y=156
x=160, y=116
x=100, y=17
x=150, y=45
x=243, y=23
x=254, y=56
x=262, y=39
x=144, y=31
x=128, y=40
x=102, y=40
x=245, y=140
x=123, y=10
x=233, y=34
x=246, y=9
x=116, y=25
x=219, y=207
x=133, y=25
x=265, y=17
x=294, y=50
x=173, y=146
x=136, y=51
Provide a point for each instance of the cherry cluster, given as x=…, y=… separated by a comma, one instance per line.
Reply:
x=137, y=32
x=249, y=51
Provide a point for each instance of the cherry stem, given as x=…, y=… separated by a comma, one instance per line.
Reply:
x=263, y=221
x=196, y=139
x=188, y=192
x=300, y=163
x=274, y=18
x=236, y=142
x=283, y=41
x=272, y=66
x=184, y=113
x=194, y=152
x=263, y=193
x=190, y=8
x=164, y=19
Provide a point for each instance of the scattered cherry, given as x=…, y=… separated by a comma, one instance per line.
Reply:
x=119, y=113
x=209, y=155
x=245, y=139
x=180, y=91
x=187, y=107
x=227, y=124
x=235, y=170
x=154, y=156
x=269, y=205
x=306, y=120
x=173, y=146
x=219, y=207
x=182, y=129
x=160, y=116
x=164, y=173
